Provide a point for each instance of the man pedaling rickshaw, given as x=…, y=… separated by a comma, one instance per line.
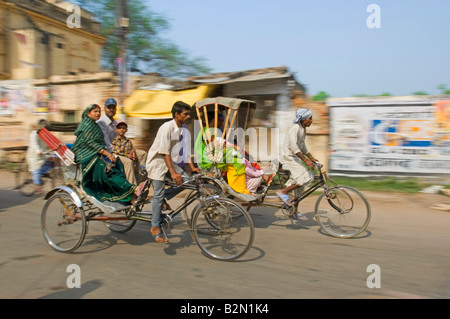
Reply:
x=160, y=164
x=296, y=158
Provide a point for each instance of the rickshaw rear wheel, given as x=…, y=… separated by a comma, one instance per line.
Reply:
x=63, y=223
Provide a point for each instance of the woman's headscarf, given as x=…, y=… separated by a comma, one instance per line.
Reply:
x=301, y=115
x=90, y=139
x=85, y=118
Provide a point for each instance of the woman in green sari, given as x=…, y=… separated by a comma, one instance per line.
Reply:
x=99, y=180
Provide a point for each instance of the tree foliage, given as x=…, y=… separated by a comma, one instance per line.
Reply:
x=147, y=50
x=320, y=96
x=443, y=89
x=419, y=93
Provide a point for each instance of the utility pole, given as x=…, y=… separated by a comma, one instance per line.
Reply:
x=122, y=24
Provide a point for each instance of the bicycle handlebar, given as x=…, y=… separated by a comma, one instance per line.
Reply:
x=187, y=181
x=318, y=165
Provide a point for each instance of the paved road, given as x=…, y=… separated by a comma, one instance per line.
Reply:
x=407, y=239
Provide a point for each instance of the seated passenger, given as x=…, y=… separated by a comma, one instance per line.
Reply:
x=200, y=147
x=124, y=149
x=108, y=124
x=99, y=180
x=253, y=174
x=230, y=162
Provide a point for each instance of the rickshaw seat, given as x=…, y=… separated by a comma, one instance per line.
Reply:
x=108, y=207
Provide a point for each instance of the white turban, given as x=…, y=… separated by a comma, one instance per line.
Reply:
x=301, y=115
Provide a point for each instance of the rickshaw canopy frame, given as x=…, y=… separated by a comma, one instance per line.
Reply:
x=228, y=102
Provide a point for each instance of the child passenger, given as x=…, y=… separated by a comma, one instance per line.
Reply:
x=123, y=147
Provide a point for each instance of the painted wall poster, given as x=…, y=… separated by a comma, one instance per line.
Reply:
x=15, y=96
x=398, y=138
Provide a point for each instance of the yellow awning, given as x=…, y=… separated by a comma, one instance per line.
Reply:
x=158, y=104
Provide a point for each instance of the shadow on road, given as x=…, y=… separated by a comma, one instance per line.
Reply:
x=10, y=198
x=75, y=293
x=267, y=217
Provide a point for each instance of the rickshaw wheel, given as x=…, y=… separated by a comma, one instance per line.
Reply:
x=63, y=223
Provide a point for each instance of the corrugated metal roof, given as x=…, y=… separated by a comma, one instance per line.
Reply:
x=243, y=76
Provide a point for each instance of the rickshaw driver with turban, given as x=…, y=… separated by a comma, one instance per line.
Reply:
x=296, y=158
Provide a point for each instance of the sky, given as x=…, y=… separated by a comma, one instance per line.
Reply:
x=327, y=44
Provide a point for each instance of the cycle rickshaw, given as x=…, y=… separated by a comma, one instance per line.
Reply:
x=221, y=228
x=341, y=211
x=23, y=178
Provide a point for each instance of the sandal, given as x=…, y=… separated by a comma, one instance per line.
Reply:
x=159, y=236
x=300, y=216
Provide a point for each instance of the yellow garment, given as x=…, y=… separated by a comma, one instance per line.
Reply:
x=237, y=182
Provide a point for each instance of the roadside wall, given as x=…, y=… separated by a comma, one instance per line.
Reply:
x=400, y=136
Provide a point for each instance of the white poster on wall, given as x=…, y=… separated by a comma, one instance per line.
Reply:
x=15, y=96
x=397, y=138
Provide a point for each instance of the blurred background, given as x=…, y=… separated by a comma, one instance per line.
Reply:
x=376, y=77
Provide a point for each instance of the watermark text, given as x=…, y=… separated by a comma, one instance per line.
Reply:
x=74, y=279
x=374, y=19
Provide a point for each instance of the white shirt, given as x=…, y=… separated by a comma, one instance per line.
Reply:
x=294, y=143
x=109, y=130
x=34, y=157
x=167, y=142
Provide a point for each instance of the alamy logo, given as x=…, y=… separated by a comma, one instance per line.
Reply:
x=74, y=20
x=374, y=20
x=374, y=280
x=74, y=279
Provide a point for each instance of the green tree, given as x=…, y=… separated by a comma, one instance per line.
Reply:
x=321, y=96
x=443, y=89
x=419, y=93
x=147, y=50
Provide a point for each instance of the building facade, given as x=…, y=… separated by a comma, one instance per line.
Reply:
x=38, y=39
x=49, y=67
